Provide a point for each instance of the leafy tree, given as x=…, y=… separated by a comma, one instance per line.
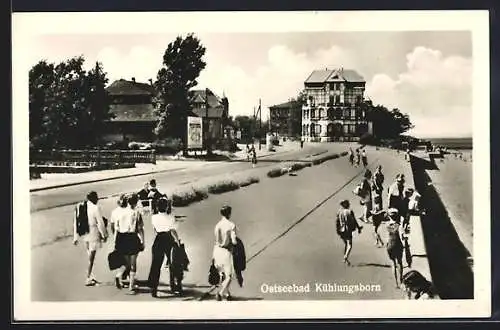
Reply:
x=182, y=64
x=387, y=124
x=67, y=105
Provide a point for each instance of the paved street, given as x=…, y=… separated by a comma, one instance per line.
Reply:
x=286, y=223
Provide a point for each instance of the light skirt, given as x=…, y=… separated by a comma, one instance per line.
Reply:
x=223, y=260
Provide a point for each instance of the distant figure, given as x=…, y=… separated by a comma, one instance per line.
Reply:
x=358, y=158
x=395, y=245
x=345, y=224
x=407, y=155
x=248, y=152
x=378, y=182
x=301, y=144
x=364, y=158
x=351, y=157
x=254, y=156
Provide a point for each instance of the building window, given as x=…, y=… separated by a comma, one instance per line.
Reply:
x=346, y=129
x=353, y=114
x=352, y=129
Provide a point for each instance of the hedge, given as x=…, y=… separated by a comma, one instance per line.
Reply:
x=277, y=172
x=188, y=194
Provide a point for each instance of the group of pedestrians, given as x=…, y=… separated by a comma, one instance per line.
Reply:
x=401, y=202
x=357, y=158
x=125, y=231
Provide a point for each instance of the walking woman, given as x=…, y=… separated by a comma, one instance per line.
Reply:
x=164, y=225
x=366, y=199
x=364, y=158
x=396, y=192
x=378, y=216
x=395, y=245
x=225, y=240
x=345, y=224
x=129, y=241
x=116, y=214
x=358, y=158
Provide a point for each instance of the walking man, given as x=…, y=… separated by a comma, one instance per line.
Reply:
x=89, y=225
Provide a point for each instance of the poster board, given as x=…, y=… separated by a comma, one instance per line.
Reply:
x=194, y=133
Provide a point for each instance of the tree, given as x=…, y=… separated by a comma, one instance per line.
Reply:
x=182, y=64
x=246, y=124
x=67, y=105
x=386, y=124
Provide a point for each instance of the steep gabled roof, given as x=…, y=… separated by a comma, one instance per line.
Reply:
x=212, y=112
x=200, y=95
x=286, y=105
x=127, y=87
x=321, y=76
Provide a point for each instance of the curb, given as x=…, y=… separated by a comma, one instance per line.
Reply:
x=105, y=179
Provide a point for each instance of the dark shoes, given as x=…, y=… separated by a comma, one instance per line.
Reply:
x=359, y=229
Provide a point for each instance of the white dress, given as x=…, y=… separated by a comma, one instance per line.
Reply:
x=225, y=233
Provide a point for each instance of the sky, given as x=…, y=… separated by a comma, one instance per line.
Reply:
x=426, y=74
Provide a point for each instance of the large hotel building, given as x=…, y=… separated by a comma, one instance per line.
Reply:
x=334, y=109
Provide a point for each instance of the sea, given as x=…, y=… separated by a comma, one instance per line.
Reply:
x=452, y=143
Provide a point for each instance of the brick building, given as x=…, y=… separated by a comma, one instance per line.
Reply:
x=285, y=119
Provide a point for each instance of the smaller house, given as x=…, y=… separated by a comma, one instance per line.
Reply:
x=133, y=111
x=213, y=110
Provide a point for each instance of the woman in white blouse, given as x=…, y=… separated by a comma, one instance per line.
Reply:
x=129, y=239
x=164, y=225
x=225, y=240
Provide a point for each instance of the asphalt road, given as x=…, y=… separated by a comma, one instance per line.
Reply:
x=52, y=198
x=286, y=223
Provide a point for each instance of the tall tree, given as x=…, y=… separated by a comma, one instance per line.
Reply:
x=386, y=124
x=182, y=64
x=67, y=104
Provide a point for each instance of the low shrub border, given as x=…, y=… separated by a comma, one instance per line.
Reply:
x=186, y=195
x=297, y=166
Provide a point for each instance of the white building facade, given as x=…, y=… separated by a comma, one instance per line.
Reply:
x=334, y=109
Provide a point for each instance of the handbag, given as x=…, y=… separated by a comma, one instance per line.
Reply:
x=213, y=275
x=115, y=260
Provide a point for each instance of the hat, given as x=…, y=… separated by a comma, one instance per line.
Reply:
x=400, y=178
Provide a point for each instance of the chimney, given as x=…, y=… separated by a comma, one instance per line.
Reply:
x=133, y=79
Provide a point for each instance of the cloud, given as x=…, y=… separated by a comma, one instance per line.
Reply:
x=435, y=91
x=276, y=80
x=139, y=62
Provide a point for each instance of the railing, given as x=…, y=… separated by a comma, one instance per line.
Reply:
x=92, y=156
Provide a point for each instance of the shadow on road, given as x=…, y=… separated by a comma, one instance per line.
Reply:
x=448, y=257
x=372, y=265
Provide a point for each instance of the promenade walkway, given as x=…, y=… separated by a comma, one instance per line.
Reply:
x=287, y=225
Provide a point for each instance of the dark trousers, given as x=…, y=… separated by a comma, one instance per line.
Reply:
x=162, y=246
